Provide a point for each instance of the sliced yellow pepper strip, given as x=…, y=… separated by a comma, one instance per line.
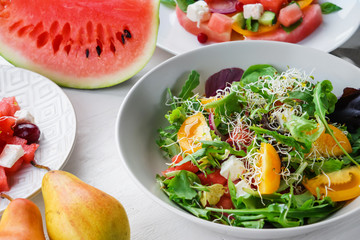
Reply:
x=262, y=29
x=304, y=3
x=340, y=185
x=270, y=164
x=193, y=129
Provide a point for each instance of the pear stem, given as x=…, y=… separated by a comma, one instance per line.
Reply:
x=3, y=195
x=40, y=166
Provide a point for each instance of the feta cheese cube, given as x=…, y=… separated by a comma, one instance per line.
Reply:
x=23, y=116
x=233, y=167
x=198, y=12
x=253, y=10
x=10, y=154
x=240, y=186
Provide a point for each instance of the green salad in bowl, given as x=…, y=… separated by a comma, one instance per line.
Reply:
x=261, y=148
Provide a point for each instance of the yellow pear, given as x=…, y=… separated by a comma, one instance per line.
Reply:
x=75, y=210
x=21, y=221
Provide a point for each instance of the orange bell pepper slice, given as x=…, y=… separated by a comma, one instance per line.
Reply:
x=193, y=129
x=304, y=3
x=270, y=165
x=340, y=185
x=262, y=29
x=326, y=145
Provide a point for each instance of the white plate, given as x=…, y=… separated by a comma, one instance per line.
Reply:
x=334, y=31
x=142, y=113
x=55, y=117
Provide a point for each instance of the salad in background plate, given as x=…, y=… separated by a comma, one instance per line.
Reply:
x=321, y=31
x=262, y=148
x=226, y=20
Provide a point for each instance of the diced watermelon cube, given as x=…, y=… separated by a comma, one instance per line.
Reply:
x=6, y=126
x=212, y=178
x=8, y=106
x=249, y=1
x=4, y=185
x=220, y=23
x=16, y=140
x=290, y=15
x=29, y=149
x=29, y=152
x=17, y=165
x=273, y=5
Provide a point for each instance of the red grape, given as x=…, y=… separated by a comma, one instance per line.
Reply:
x=27, y=131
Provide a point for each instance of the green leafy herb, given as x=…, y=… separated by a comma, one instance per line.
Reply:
x=290, y=141
x=176, y=115
x=253, y=73
x=325, y=101
x=180, y=185
x=183, y=4
x=300, y=128
x=293, y=26
x=227, y=105
x=328, y=7
x=191, y=83
x=169, y=3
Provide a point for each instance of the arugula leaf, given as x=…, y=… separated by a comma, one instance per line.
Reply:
x=325, y=101
x=180, y=186
x=191, y=83
x=227, y=105
x=169, y=146
x=253, y=73
x=290, y=141
x=168, y=3
x=300, y=128
x=198, y=212
x=176, y=115
x=183, y=4
x=328, y=7
x=307, y=98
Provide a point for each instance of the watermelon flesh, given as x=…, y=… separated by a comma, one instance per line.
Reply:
x=191, y=27
x=312, y=18
x=79, y=44
x=8, y=106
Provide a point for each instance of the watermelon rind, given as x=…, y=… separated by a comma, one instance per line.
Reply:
x=15, y=57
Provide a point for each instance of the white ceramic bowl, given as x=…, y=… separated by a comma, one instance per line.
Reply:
x=143, y=110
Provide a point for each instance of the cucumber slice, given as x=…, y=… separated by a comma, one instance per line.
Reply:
x=239, y=20
x=267, y=18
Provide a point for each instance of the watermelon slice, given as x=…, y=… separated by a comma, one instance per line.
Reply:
x=80, y=43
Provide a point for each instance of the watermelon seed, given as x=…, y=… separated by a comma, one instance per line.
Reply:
x=87, y=53
x=22, y=31
x=15, y=25
x=56, y=42
x=89, y=30
x=98, y=50
x=66, y=31
x=67, y=49
x=120, y=37
x=42, y=39
x=54, y=28
x=36, y=31
x=112, y=47
x=127, y=33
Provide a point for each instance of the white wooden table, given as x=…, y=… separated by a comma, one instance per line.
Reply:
x=96, y=161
